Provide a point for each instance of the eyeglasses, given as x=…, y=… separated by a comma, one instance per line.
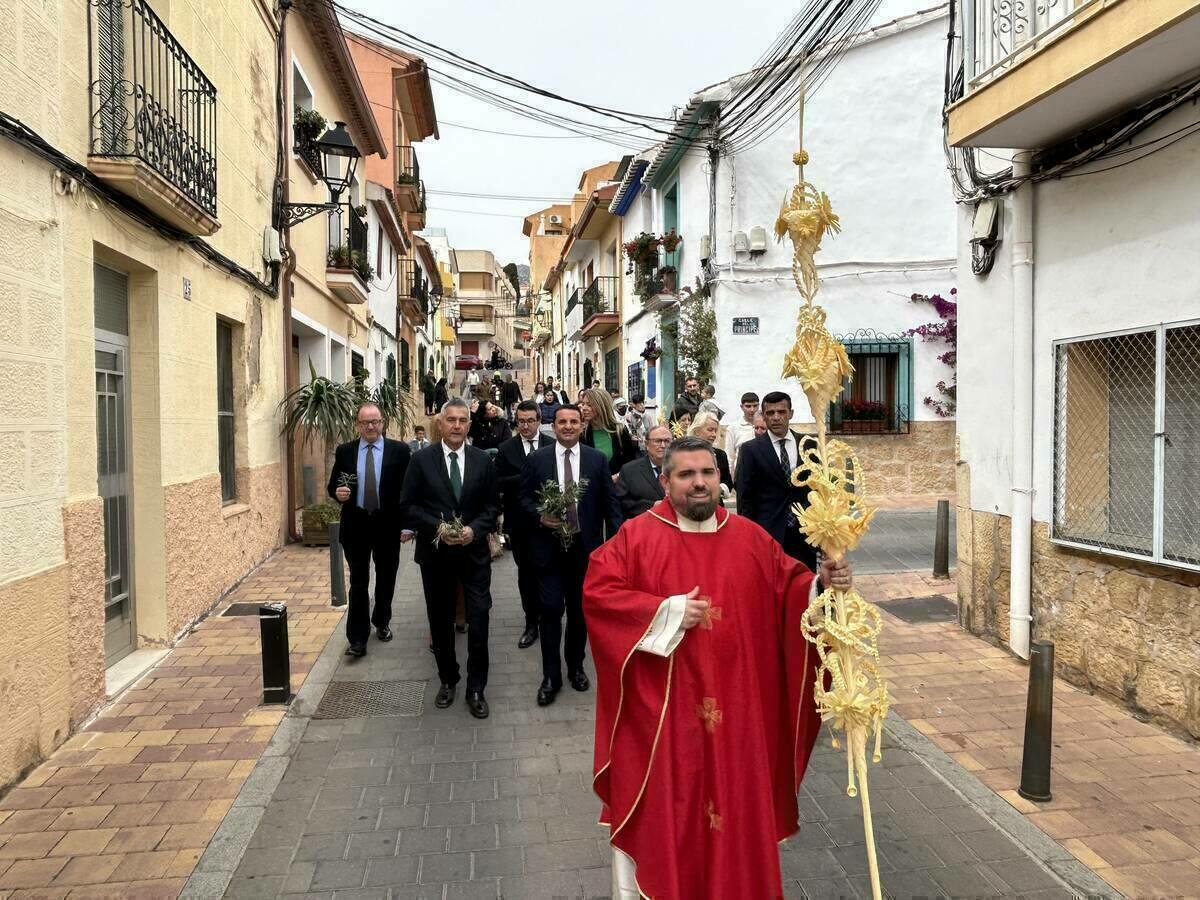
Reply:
x=659, y=440
x=367, y=423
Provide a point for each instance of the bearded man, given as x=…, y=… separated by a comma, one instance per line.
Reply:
x=705, y=717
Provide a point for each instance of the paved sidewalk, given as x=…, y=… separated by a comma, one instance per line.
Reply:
x=1126, y=795
x=125, y=808
x=442, y=805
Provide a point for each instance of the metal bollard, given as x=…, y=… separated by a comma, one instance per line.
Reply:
x=276, y=664
x=941, y=542
x=1039, y=722
x=337, y=575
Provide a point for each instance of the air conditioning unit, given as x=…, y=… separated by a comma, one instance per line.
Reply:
x=556, y=220
x=740, y=243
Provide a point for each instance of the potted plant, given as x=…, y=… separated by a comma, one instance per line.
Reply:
x=315, y=521
x=591, y=302
x=308, y=124
x=342, y=257
x=670, y=241
x=324, y=410
x=863, y=416
x=641, y=252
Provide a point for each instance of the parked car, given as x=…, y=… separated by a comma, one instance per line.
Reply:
x=468, y=361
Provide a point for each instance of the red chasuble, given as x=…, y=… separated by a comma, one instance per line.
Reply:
x=699, y=755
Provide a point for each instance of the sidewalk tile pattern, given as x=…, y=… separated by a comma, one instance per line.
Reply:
x=125, y=807
x=1126, y=796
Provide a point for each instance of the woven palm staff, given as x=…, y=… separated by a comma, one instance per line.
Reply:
x=843, y=626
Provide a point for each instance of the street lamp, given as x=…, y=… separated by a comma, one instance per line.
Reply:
x=543, y=318
x=334, y=143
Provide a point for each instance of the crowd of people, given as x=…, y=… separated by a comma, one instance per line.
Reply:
x=613, y=520
x=512, y=438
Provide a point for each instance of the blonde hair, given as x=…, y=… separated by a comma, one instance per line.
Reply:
x=604, y=414
x=701, y=420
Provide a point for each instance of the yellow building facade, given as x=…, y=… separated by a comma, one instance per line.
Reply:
x=144, y=334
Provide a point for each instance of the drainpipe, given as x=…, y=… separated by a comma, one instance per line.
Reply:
x=289, y=270
x=1020, y=619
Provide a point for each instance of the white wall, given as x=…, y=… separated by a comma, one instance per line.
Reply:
x=873, y=132
x=1112, y=251
x=381, y=299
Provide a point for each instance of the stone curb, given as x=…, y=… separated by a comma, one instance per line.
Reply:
x=210, y=879
x=1042, y=848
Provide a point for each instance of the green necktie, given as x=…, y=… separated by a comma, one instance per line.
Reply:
x=455, y=476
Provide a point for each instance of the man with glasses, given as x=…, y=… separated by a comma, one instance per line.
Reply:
x=638, y=487
x=366, y=479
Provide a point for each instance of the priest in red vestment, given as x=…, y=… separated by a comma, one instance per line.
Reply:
x=704, y=709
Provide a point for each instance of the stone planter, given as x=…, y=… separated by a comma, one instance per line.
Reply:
x=313, y=528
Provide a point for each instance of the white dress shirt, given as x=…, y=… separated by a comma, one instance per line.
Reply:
x=559, y=451
x=462, y=459
x=737, y=434
x=792, y=450
x=528, y=445
x=361, y=474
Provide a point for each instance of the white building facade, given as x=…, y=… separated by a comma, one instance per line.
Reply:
x=872, y=132
x=1079, y=425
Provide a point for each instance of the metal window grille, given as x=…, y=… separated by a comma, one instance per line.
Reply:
x=878, y=398
x=150, y=100
x=225, y=413
x=1127, y=444
x=612, y=377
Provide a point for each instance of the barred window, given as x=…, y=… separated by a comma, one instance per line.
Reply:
x=878, y=399
x=1127, y=444
x=226, y=425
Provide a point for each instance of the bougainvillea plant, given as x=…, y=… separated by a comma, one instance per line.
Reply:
x=946, y=331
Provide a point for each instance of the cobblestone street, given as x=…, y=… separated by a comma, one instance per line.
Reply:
x=440, y=805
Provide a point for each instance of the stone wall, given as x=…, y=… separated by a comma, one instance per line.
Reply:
x=920, y=462
x=83, y=527
x=209, y=547
x=1127, y=629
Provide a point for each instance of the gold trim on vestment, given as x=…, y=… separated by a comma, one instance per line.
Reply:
x=653, y=750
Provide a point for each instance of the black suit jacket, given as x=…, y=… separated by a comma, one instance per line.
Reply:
x=638, y=488
x=428, y=501
x=510, y=470
x=598, y=508
x=764, y=493
x=392, y=472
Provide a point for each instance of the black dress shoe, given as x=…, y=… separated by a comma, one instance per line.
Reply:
x=547, y=692
x=528, y=637
x=460, y=627
x=357, y=649
x=579, y=681
x=477, y=705
x=384, y=634
x=445, y=696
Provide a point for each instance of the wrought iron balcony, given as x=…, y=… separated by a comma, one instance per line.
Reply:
x=1001, y=31
x=153, y=115
x=600, y=316
x=305, y=146
x=348, y=271
x=410, y=191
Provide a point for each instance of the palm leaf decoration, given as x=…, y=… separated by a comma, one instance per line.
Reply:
x=326, y=409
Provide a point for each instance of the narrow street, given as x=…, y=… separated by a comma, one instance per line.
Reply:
x=504, y=808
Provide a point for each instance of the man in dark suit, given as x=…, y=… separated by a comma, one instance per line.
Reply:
x=510, y=468
x=447, y=480
x=765, y=492
x=560, y=570
x=367, y=478
x=511, y=395
x=638, y=487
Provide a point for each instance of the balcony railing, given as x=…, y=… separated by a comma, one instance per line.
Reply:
x=1000, y=32
x=348, y=243
x=150, y=101
x=408, y=168
x=305, y=145
x=573, y=301
x=600, y=296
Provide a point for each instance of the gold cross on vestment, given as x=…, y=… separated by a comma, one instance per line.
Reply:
x=710, y=615
x=715, y=822
x=709, y=714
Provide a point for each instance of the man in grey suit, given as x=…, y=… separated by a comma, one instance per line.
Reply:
x=638, y=487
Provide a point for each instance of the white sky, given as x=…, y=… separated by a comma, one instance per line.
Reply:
x=645, y=56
